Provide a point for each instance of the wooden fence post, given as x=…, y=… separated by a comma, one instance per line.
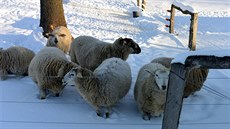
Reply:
x=172, y=17
x=142, y=4
x=193, y=31
x=193, y=25
x=174, y=97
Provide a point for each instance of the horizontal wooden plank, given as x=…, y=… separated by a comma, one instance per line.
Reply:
x=209, y=62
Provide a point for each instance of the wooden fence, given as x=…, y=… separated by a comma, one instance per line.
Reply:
x=142, y=4
x=175, y=91
x=193, y=25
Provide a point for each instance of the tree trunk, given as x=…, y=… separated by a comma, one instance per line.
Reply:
x=52, y=15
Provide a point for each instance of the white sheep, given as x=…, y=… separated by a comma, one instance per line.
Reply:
x=194, y=79
x=150, y=90
x=60, y=38
x=14, y=60
x=104, y=87
x=47, y=70
x=89, y=52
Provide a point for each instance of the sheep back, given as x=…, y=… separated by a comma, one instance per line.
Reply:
x=15, y=60
x=105, y=86
x=89, y=52
x=60, y=38
x=195, y=79
x=48, y=68
x=115, y=76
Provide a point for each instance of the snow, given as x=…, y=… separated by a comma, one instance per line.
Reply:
x=108, y=20
x=184, y=6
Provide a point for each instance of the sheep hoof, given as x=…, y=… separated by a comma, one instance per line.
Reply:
x=57, y=95
x=98, y=114
x=185, y=96
x=107, y=115
x=146, y=117
x=42, y=98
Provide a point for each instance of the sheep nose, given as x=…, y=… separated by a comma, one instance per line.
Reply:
x=137, y=49
x=55, y=40
x=164, y=87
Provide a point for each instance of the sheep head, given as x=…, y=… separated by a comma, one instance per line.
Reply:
x=76, y=73
x=69, y=77
x=161, y=78
x=130, y=44
x=60, y=38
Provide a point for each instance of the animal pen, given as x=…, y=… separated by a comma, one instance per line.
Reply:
x=177, y=74
x=193, y=24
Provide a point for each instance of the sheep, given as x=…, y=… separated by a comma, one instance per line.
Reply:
x=47, y=70
x=150, y=90
x=60, y=38
x=89, y=52
x=15, y=60
x=194, y=78
x=104, y=87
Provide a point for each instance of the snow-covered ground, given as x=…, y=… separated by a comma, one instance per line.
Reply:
x=107, y=20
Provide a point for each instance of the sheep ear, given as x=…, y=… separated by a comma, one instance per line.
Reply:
x=124, y=42
x=79, y=75
x=72, y=38
x=121, y=40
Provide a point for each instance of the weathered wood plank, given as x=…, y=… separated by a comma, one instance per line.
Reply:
x=209, y=62
x=174, y=97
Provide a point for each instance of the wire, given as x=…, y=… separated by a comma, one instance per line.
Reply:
x=216, y=92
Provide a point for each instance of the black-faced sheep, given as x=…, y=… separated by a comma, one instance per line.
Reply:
x=194, y=78
x=150, y=90
x=47, y=70
x=89, y=52
x=14, y=60
x=60, y=38
x=104, y=87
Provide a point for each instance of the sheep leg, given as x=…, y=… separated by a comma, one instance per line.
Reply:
x=3, y=74
x=146, y=116
x=98, y=111
x=42, y=93
x=107, y=113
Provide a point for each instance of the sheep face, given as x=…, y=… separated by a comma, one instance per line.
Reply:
x=129, y=43
x=60, y=38
x=161, y=78
x=69, y=77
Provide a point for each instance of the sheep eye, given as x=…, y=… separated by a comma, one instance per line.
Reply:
x=62, y=35
x=71, y=75
x=50, y=35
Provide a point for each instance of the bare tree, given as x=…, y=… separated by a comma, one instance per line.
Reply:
x=51, y=16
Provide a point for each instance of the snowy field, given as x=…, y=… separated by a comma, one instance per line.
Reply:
x=108, y=20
